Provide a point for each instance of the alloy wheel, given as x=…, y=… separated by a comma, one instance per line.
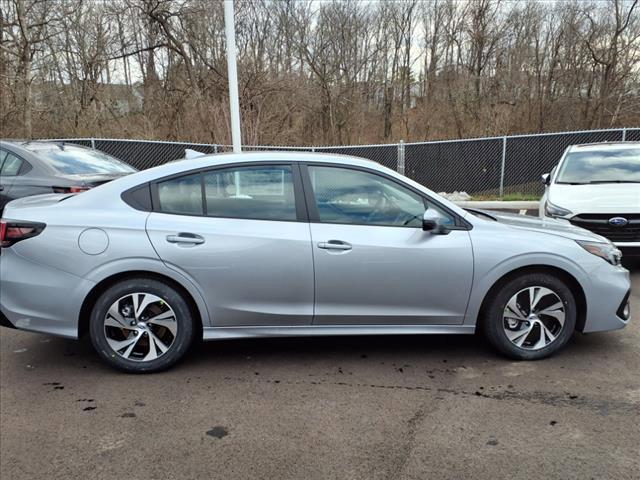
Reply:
x=140, y=327
x=533, y=318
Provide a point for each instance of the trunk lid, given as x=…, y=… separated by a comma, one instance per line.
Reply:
x=91, y=180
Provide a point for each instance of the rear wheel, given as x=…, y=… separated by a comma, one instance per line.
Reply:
x=141, y=325
x=531, y=316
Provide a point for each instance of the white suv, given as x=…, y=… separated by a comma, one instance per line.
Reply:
x=597, y=187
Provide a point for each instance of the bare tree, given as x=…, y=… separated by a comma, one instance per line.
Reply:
x=337, y=71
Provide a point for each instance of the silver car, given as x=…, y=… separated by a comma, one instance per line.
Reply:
x=294, y=244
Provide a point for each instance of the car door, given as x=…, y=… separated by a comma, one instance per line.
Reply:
x=373, y=262
x=241, y=233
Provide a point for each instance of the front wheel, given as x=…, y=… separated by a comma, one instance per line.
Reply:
x=530, y=317
x=141, y=325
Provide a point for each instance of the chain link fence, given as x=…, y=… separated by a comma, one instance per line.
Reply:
x=470, y=166
x=386, y=155
x=492, y=166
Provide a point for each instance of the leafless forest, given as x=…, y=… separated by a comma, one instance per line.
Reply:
x=319, y=72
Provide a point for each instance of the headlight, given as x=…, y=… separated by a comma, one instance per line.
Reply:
x=606, y=251
x=552, y=210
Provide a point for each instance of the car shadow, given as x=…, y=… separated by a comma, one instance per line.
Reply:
x=455, y=350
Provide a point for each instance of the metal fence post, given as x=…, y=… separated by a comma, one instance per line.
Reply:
x=504, y=157
x=93, y=143
x=624, y=134
x=313, y=149
x=401, y=157
x=215, y=148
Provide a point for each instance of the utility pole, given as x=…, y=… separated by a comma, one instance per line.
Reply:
x=234, y=102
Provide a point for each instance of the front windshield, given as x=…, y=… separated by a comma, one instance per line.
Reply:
x=73, y=160
x=601, y=166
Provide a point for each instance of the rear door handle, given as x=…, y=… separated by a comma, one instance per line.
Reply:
x=186, y=238
x=335, y=245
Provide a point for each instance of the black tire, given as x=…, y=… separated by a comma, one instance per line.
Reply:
x=492, y=318
x=183, y=317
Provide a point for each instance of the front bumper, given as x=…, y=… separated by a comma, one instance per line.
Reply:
x=624, y=311
x=606, y=295
x=5, y=322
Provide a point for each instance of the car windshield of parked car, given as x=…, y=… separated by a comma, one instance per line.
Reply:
x=80, y=161
x=601, y=166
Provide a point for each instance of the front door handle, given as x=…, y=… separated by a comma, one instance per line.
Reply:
x=335, y=245
x=186, y=238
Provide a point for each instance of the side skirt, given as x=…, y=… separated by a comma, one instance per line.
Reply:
x=221, y=333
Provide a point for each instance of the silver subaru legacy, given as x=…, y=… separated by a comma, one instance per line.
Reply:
x=294, y=244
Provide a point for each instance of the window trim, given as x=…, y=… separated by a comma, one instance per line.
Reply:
x=314, y=216
x=298, y=193
x=3, y=159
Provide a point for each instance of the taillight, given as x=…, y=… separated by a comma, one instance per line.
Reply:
x=70, y=189
x=12, y=231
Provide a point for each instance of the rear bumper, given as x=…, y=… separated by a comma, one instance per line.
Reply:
x=39, y=298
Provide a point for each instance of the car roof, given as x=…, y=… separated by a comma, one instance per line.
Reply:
x=212, y=160
x=604, y=146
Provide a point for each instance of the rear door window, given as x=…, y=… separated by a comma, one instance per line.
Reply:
x=252, y=192
x=181, y=195
x=260, y=192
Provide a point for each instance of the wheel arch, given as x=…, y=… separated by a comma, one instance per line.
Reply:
x=93, y=295
x=568, y=278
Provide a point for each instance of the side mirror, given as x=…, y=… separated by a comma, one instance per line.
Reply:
x=432, y=222
x=546, y=179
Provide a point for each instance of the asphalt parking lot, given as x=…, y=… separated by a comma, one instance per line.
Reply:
x=347, y=408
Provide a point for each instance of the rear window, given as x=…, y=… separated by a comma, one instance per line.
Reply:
x=72, y=161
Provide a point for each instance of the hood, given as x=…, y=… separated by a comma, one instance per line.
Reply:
x=550, y=226
x=597, y=198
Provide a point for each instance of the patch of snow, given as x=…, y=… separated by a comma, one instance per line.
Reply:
x=189, y=154
x=456, y=196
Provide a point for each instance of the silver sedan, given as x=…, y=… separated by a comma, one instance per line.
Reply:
x=294, y=244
